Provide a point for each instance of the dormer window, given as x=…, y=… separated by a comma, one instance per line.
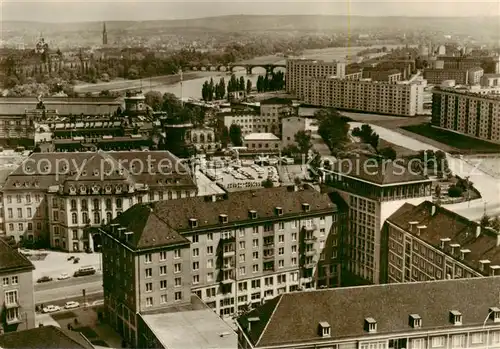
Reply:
x=415, y=321
x=223, y=218
x=252, y=214
x=279, y=211
x=495, y=314
x=305, y=207
x=193, y=222
x=324, y=329
x=370, y=325
x=455, y=317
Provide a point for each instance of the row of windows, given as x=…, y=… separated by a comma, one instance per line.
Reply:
x=163, y=299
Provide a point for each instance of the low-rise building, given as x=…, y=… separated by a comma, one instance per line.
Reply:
x=391, y=75
x=416, y=247
x=440, y=314
x=45, y=337
x=490, y=80
x=203, y=139
x=51, y=197
x=18, y=305
x=262, y=142
x=290, y=125
x=233, y=251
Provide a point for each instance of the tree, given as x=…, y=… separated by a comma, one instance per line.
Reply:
x=303, y=140
x=332, y=128
x=154, y=99
x=367, y=135
x=485, y=221
x=267, y=183
x=388, y=153
x=454, y=191
x=249, y=86
x=104, y=93
x=495, y=223
x=235, y=135
x=241, y=84
x=171, y=104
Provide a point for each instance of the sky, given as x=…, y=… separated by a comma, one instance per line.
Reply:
x=99, y=10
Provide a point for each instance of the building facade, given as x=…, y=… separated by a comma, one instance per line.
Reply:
x=297, y=70
x=204, y=140
x=490, y=80
x=234, y=252
x=459, y=314
x=392, y=75
x=416, y=248
x=265, y=142
x=402, y=98
x=470, y=113
x=372, y=196
x=461, y=76
x=18, y=306
x=53, y=197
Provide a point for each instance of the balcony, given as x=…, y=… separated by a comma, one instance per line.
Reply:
x=228, y=266
x=11, y=305
x=268, y=256
x=310, y=239
x=312, y=227
x=309, y=265
x=268, y=233
x=310, y=253
x=13, y=321
x=230, y=253
x=269, y=244
x=227, y=281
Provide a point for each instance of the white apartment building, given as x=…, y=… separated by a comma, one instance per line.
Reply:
x=372, y=197
x=297, y=70
x=474, y=114
x=401, y=98
x=54, y=197
x=291, y=125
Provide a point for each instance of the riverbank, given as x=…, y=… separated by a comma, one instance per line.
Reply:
x=149, y=83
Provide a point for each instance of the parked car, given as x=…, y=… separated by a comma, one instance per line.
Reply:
x=70, y=258
x=51, y=309
x=44, y=279
x=63, y=276
x=84, y=271
x=71, y=305
x=76, y=260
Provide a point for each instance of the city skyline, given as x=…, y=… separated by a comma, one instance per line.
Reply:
x=43, y=10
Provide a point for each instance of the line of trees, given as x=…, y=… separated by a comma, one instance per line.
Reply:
x=271, y=82
x=217, y=91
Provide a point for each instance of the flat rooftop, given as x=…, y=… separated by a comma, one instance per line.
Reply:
x=194, y=329
x=261, y=137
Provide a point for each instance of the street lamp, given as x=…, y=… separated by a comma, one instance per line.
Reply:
x=100, y=256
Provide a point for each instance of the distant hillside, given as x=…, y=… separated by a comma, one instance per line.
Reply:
x=476, y=27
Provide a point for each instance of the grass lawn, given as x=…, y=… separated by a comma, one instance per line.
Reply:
x=461, y=142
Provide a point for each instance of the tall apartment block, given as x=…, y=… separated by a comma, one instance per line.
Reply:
x=452, y=314
x=297, y=70
x=53, y=197
x=400, y=98
x=234, y=252
x=416, y=247
x=372, y=196
x=470, y=76
x=16, y=275
x=473, y=114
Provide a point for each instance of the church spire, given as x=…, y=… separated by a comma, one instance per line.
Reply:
x=104, y=34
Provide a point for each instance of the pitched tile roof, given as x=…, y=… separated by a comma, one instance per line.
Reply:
x=47, y=337
x=447, y=224
x=293, y=318
x=12, y=260
x=380, y=172
x=161, y=223
x=152, y=168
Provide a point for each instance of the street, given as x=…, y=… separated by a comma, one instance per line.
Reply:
x=67, y=289
x=487, y=185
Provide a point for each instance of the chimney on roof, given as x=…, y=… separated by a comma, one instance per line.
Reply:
x=214, y=198
x=493, y=270
x=483, y=264
x=250, y=321
x=420, y=229
x=113, y=227
x=454, y=247
x=443, y=242
x=478, y=231
x=121, y=231
x=412, y=224
x=433, y=210
x=128, y=236
x=463, y=252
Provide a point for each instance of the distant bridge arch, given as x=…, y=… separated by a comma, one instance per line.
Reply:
x=234, y=67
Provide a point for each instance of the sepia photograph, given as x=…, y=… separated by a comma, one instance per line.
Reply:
x=250, y=174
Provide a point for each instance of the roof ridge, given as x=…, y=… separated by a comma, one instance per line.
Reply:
x=70, y=337
x=276, y=306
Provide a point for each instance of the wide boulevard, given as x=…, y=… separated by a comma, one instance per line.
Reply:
x=68, y=289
